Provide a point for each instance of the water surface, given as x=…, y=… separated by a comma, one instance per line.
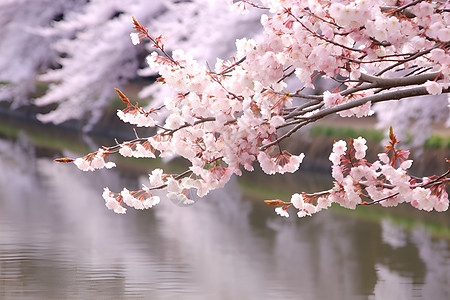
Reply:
x=58, y=241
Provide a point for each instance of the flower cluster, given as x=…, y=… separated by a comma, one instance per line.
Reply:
x=94, y=161
x=141, y=199
x=134, y=114
x=225, y=119
x=384, y=181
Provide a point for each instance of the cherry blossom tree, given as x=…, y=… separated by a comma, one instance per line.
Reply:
x=225, y=118
x=76, y=37
x=24, y=52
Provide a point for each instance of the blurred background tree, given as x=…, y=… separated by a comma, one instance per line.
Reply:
x=82, y=49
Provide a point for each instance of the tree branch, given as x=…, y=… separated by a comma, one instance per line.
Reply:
x=402, y=81
x=393, y=95
x=387, y=96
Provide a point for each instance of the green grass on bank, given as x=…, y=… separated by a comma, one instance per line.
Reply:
x=263, y=192
x=405, y=217
x=42, y=139
x=435, y=141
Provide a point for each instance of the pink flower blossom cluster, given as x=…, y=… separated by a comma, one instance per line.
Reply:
x=94, y=161
x=141, y=199
x=226, y=118
x=385, y=181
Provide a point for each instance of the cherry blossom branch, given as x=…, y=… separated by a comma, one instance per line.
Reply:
x=403, y=7
x=156, y=42
x=287, y=134
x=301, y=107
x=372, y=82
x=179, y=176
x=356, y=178
x=231, y=68
x=401, y=62
x=203, y=120
x=303, y=96
x=251, y=3
x=243, y=112
x=396, y=82
x=288, y=11
x=387, y=96
x=435, y=181
x=380, y=200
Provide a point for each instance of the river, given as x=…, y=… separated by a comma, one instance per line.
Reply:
x=58, y=240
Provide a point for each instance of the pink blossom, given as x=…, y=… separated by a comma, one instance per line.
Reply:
x=406, y=164
x=337, y=173
x=352, y=193
x=359, y=172
x=270, y=165
x=98, y=161
x=323, y=203
x=433, y=88
x=83, y=164
x=127, y=197
x=142, y=151
x=384, y=158
x=276, y=121
x=360, y=147
x=111, y=202
x=423, y=9
x=282, y=212
x=297, y=201
x=110, y=165
x=340, y=147
x=359, y=111
x=335, y=158
x=120, y=210
x=309, y=209
x=156, y=177
x=151, y=201
x=332, y=99
x=173, y=186
x=125, y=150
x=442, y=203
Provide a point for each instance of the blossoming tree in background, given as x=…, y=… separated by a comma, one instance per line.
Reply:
x=24, y=53
x=225, y=118
x=76, y=47
x=100, y=56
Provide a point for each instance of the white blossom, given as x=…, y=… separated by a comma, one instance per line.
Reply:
x=135, y=39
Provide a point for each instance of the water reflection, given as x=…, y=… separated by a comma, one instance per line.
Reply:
x=57, y=240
